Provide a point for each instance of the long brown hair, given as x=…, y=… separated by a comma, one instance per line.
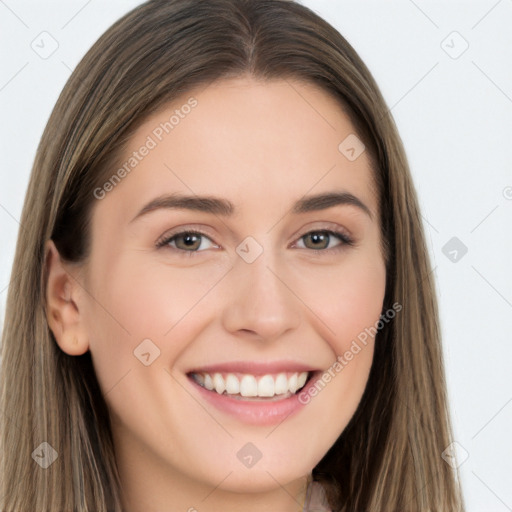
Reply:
x=389, y=456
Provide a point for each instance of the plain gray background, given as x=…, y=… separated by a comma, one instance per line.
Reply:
x=444, y=69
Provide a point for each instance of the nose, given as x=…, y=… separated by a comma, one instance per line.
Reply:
x=260, y=304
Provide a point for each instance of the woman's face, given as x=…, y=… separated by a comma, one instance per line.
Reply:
x=215, y=262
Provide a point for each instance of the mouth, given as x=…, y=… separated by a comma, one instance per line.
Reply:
x=267, y=396
x=249, y=387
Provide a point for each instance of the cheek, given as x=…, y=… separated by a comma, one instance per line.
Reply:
x=347, y=305
x=134, y=303
x=348, y=299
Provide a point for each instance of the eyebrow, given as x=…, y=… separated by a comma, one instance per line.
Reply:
x=225, y=208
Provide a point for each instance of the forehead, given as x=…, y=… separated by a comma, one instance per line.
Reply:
x=254, y=142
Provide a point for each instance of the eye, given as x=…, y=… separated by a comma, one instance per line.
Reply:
x=187, y=241
x=323, y=240
x=193, y=241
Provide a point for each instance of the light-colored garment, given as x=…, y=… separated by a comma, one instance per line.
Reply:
x=315, y=499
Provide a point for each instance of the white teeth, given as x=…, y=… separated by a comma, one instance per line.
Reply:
x=208, y=384
x=292, y=383
x=251, y=386
x=266, y=386
x=281, y=385
x=218, y=383
x=303, y=377
x=232, y=385
x=248, y=386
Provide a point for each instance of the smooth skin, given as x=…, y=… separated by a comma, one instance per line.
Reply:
x=262, y=145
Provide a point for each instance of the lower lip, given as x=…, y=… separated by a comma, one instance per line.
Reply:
x=262, y=412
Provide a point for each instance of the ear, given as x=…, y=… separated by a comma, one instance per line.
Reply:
x=62, y=298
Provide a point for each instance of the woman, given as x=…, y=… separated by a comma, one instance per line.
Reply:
x=222, y=298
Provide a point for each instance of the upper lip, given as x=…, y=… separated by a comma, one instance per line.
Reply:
x=255, y=368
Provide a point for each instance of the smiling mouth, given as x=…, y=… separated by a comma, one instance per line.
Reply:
x=248, y=387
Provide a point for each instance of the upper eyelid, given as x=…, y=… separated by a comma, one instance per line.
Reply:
x=327, y=226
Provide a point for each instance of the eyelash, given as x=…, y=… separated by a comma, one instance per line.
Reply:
x=342, y=237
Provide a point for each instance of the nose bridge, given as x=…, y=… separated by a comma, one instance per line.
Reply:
x=258, y=299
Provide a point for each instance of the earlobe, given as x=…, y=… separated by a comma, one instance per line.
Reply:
x=73, y=344
x=62, y=305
